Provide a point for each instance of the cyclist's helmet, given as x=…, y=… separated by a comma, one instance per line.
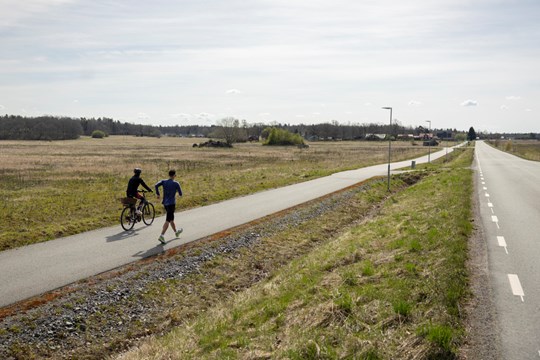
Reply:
x=137, y=171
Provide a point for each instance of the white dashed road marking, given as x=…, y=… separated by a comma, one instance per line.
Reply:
x=517, y=290
x=495, y=220
x=502, y=243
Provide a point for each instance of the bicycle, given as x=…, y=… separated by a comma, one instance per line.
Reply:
x=129, y=215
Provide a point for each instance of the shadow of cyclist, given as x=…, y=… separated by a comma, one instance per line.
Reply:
x=122, y=235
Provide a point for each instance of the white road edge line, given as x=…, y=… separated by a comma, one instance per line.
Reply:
x=517, y=290
x=502, y=243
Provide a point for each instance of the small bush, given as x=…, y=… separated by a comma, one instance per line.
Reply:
x=283, y=137
x=98, y=134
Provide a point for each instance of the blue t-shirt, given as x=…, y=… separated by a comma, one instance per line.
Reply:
x=170, y=187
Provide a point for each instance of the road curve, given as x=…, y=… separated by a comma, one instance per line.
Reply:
x=509, y=192
x=35, y=269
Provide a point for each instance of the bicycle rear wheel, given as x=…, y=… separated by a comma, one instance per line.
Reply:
x=127, y=220
x=148, y=213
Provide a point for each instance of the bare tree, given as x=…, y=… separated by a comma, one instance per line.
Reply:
x=229, y=129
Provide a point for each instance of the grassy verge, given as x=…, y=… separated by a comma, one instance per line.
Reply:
x=54, y=189
x=387, y=288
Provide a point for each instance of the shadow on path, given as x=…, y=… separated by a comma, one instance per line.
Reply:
x=122, y=235
x=158, y=249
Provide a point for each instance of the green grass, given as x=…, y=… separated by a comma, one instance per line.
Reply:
x=387, y=288
x=55, y=189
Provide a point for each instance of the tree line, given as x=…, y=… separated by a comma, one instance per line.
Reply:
x=14, y=127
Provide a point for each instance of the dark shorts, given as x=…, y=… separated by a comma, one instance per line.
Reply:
x=170, y=212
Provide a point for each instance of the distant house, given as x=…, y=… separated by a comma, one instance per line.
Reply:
x=405, y=137
x=375, y=137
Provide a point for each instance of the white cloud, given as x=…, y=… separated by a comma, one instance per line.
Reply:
x=180, y=116
x=513, y=97
x=143, y=116
x=2, y=107
x=528, y=110
x=264, y=114
x=414, y=103
x=233, y=91
x=469, y=103
x=504, y=107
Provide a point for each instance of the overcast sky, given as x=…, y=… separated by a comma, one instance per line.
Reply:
x=458, y=63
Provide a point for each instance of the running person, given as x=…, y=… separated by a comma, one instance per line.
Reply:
x=170, y=188
x=133, y=186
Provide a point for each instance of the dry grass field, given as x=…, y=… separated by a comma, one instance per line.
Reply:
x=54, y=189
x=527, y=149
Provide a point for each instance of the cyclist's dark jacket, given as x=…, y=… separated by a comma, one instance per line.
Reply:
x=133, y=185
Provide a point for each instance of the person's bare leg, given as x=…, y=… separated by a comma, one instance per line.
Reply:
x=165, y=227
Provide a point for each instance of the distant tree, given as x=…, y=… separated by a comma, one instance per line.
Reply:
x=229, y=130
x=471, y=135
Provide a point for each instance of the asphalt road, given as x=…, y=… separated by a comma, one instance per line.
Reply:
x=35, y=269
x=509, y=197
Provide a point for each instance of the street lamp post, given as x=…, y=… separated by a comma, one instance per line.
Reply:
x=389, y=144
x=429, y=144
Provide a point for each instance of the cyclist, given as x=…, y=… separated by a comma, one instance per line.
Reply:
x=133, y=186
x=170, y=188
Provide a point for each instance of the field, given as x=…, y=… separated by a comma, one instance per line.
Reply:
x=527, y=149
x=55, y=189
x=359, y=274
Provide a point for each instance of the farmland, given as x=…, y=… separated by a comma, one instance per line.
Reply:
x=55, y=189
x=527, y=149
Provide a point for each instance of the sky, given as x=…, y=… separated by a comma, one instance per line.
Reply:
x=456, y=63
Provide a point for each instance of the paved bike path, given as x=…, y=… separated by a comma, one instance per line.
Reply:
x=35, y=269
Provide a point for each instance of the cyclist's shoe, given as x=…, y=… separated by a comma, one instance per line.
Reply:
x=178, y=232
x=139, y=212
x=161, y=239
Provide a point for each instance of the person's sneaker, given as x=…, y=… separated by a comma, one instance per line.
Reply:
x=178, y=232
x=161, y=239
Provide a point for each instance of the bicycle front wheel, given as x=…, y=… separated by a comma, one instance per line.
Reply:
x=126, y=219
x=148, y=213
